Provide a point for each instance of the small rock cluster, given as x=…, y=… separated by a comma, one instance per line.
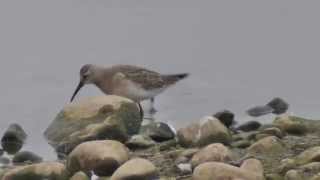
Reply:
x=104, y=136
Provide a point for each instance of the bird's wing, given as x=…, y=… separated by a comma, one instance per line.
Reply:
x=144, y=77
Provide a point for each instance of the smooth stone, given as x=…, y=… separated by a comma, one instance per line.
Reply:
x=226, y=117
x=308, y=156
x=103, y=157
x=26, y=157
x=158, y=131
x=249, y=126
x=136, y=169
x=13, y=139
x=209, y=130
x=290, y=124
x=214, y=152
x=241, y=144
x=40, y=171
x=185, y=168
x=252, y=170
x=80, y=176
x=260, y=110
x=278, y=105
x=267, y=145
x=96, y=118
x=274, y=131
x=140, y=141
x=293, y=175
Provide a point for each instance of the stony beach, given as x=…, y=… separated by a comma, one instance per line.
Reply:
x=105, y=138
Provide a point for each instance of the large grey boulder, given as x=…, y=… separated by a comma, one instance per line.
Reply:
x=95, y=118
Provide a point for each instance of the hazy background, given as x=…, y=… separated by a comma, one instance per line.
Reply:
x=239, y=54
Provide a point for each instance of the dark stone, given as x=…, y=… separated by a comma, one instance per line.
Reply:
x=260, y=110
x=158, y=131
x=26, y=157
x=278, y=105
x=249, y=126
x=13, y=139
x=226, y=117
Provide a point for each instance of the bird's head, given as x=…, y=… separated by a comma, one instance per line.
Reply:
x=86, y=77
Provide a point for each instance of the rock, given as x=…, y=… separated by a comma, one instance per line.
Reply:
x=260, y=110
x=214, y=152
x=40, y=171
x=308, y=156
x=13, y=139
x=241, y=144
x=249, y=126
x=226, y=117
x=26, y=157
x=138, y=168
x=278, y=105
x=290, y=124
x=209, y=130
x=97, y=118
x=102, y=157
x=80, y=176
x=220, y=171
x=293, y=175
x=268, y=145
x=158, y=131
x=274, y=131
x=273, y=176
x=185, y=168
x=275, y=106
x=140, y=141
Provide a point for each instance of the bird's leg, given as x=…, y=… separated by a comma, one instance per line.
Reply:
x=152, y=109
x=141, y=110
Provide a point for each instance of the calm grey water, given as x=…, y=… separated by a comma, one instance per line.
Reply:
x=239, y=54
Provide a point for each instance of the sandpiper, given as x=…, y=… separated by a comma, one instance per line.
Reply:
x=135, y=83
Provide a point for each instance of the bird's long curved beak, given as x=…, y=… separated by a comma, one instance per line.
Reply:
x=80, y=85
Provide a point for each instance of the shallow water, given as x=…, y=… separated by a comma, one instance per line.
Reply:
x=239, y=54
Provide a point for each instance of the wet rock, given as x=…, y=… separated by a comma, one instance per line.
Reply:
x=138, y=168
x=260, y=110
x=209, y=130
x=40, y=171
x=290, y=124
x=214, y=152
x=275, y=106
x=249, y=126
x=102, y=157
x=13, y=139
x=96, y=118
x=252, y=170
x=26, y=157
x=158, y=131
x=140, y=141
x=226, y=117
x=278, y=105
x=80, y=176
x=268, y=145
